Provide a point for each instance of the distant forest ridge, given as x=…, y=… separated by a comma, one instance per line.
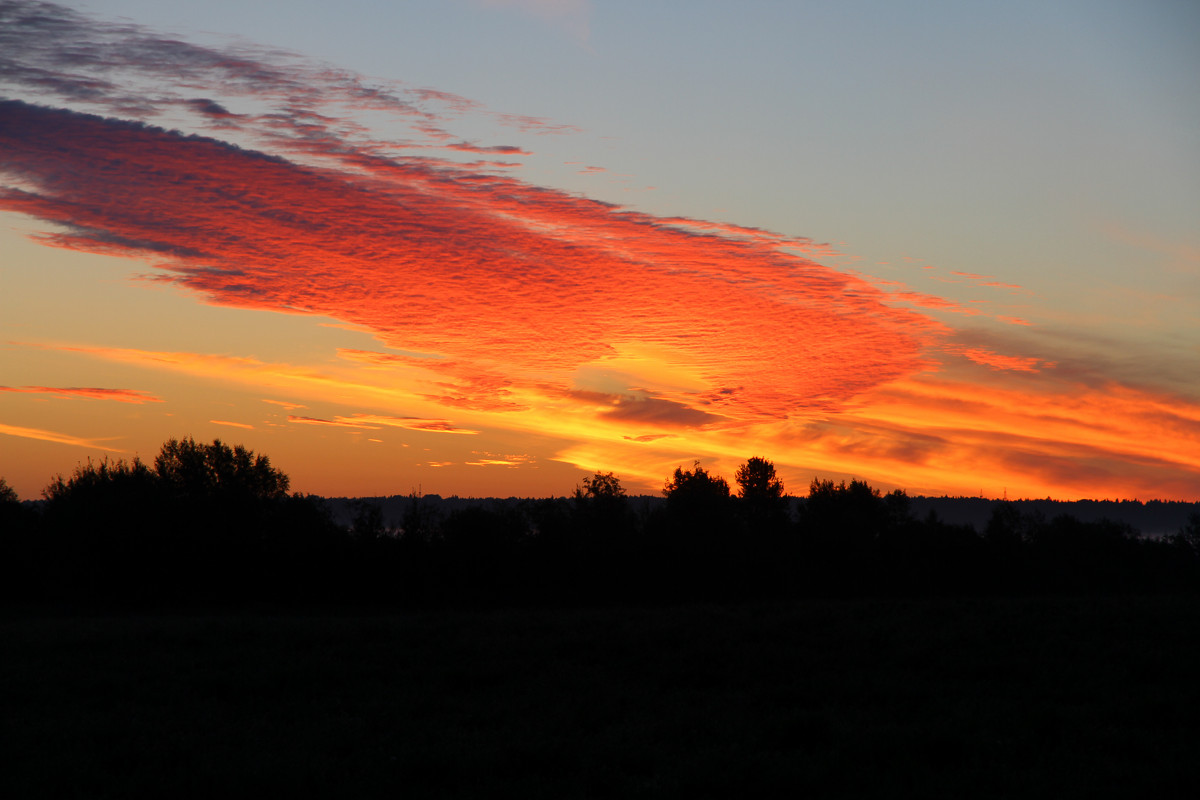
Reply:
x=1152, y=518
x=210, y=523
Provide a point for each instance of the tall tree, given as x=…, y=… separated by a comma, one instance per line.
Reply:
x=756, y=480
x=762, y=503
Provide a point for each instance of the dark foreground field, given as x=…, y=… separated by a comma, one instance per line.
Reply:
x=851, y=698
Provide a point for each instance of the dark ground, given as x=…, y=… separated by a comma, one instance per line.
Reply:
x=1017, y=697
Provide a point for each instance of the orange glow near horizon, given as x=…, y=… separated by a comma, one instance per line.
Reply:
x=929, y=434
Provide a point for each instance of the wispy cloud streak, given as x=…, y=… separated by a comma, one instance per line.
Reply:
x=87, y=393
x=56, y=437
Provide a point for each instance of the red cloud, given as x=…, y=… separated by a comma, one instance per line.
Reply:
x=503, y=277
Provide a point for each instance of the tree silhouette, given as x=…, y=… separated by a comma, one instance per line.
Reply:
x=699, y=521
x=856, y=513
x=420, y=521
x=841, y=524
x=1188, y=536
x=601, y=507
x=368, y=523
x=213, y=523
x=207, y=519
x=761, y=498
x=104, y=526
x=18, y=552
x=756, y=480
x=696, y=495
x=603, y=486
x=204, y=471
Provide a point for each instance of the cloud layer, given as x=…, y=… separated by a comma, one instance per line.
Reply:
x=248, y=177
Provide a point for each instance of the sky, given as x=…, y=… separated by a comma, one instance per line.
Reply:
x=489, y=247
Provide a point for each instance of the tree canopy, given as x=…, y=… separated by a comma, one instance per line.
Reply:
x=756, y=480
x=199, y=470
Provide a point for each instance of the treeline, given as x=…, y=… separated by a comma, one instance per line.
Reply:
x=1154, y=518
x=212, y=524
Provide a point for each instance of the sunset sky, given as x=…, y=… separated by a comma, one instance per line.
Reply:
x=487, y=247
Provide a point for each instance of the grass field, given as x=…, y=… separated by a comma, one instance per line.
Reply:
x=851, y=698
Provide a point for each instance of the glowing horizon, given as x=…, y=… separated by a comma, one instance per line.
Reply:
x=374, y=300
